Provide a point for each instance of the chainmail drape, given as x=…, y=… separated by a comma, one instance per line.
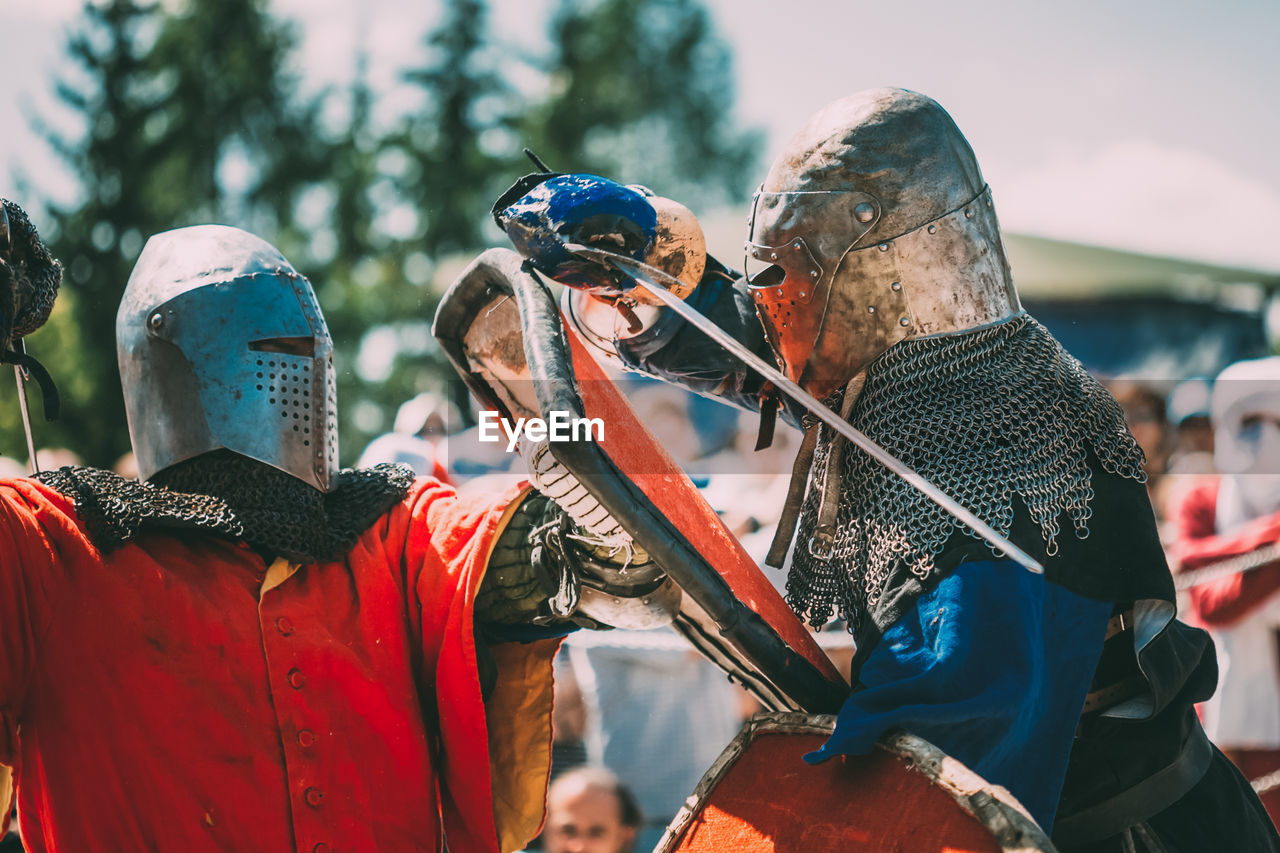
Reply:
x=233, y=496
x=29, y=277
x=984, y=415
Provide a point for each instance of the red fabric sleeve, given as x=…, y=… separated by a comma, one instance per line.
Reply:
x=36, y=525
x=446, y=545
x=1228, y=599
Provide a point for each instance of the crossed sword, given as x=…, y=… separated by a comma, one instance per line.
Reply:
x=652, y=279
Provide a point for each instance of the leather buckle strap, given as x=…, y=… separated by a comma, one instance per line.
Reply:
x=1119, y=623
x=1112, y=694
x=1134, y=805
x=1127, y=687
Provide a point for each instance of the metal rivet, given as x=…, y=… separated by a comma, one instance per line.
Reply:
x=905, y=321
x=896, y=286
x=933, y=229
x=773, y=256
x=802, y=294
x=813, y=274
x=871, y=309
x=864, y=212
x=797, y=244
x=156, y=320
x=988, y=202
x=779, y=291
x=968, y=214
x=884, y=247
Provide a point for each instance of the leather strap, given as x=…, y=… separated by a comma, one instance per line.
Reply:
x=1126, y=688
x=1134, y=805
x=1118, y=623
x=824, y=532
x=1112, y=694
x=786, y=529
x=48, y=391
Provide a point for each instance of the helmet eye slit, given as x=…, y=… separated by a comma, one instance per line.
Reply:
x=768, y=277
x=304, y=346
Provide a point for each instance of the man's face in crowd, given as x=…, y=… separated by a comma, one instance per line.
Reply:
x=586, y=820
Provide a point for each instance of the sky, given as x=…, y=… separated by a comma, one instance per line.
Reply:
x=1140, y=125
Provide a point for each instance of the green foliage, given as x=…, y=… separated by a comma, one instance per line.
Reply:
x=462, y=152
x=189, y=119
x=190, y=116
x=643, y=92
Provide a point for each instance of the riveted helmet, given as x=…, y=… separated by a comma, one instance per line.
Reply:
x=222, y=345
x=873, y=227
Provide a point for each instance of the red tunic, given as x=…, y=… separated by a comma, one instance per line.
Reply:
x=163, y=697
x=1225, y=600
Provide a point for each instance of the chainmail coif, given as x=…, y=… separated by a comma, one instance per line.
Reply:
x=233, y=496
x=29, y=277
x=984, y=415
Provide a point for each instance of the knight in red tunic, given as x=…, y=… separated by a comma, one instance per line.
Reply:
x=249, y=649
x=1235, y=518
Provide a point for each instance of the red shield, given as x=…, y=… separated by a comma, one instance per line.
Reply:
x=760, y=797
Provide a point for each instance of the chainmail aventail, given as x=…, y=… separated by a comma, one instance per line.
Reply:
x=233, y=496
x=984, y=415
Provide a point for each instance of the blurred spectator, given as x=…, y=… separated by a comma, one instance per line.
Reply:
x=1191, y=453
x=590, y=811
x=11, y=468
x=568, y=719
x=1234, y=514
x=416, y=439
x=658, y=715
x=53, y=458
x=1145, y=414
x=127, y=466
x=1187, y=410
x=748, y=487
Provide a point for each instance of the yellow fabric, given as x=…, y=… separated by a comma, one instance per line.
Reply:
x=520, y=739
x=278, y=572
x=6, y=796
x=518, y=720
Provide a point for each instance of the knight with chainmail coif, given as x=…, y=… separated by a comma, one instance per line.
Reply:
x=250, y=649
x=877, y=279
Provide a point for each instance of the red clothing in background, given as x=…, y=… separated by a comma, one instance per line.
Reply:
x=161, y=697
x=1226, y=602
x=1227, y=599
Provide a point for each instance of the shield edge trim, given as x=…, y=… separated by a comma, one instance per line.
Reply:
x=992, y=806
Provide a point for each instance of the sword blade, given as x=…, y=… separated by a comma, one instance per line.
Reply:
x=650, y=279
x=20, y=378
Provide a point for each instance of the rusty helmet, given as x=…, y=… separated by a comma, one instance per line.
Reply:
x=874, y=226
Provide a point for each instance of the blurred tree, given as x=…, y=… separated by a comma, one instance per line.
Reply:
x=643, y=92
x=188, y=118
x=460, y=149
x=461, y=142
x=361, y=248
